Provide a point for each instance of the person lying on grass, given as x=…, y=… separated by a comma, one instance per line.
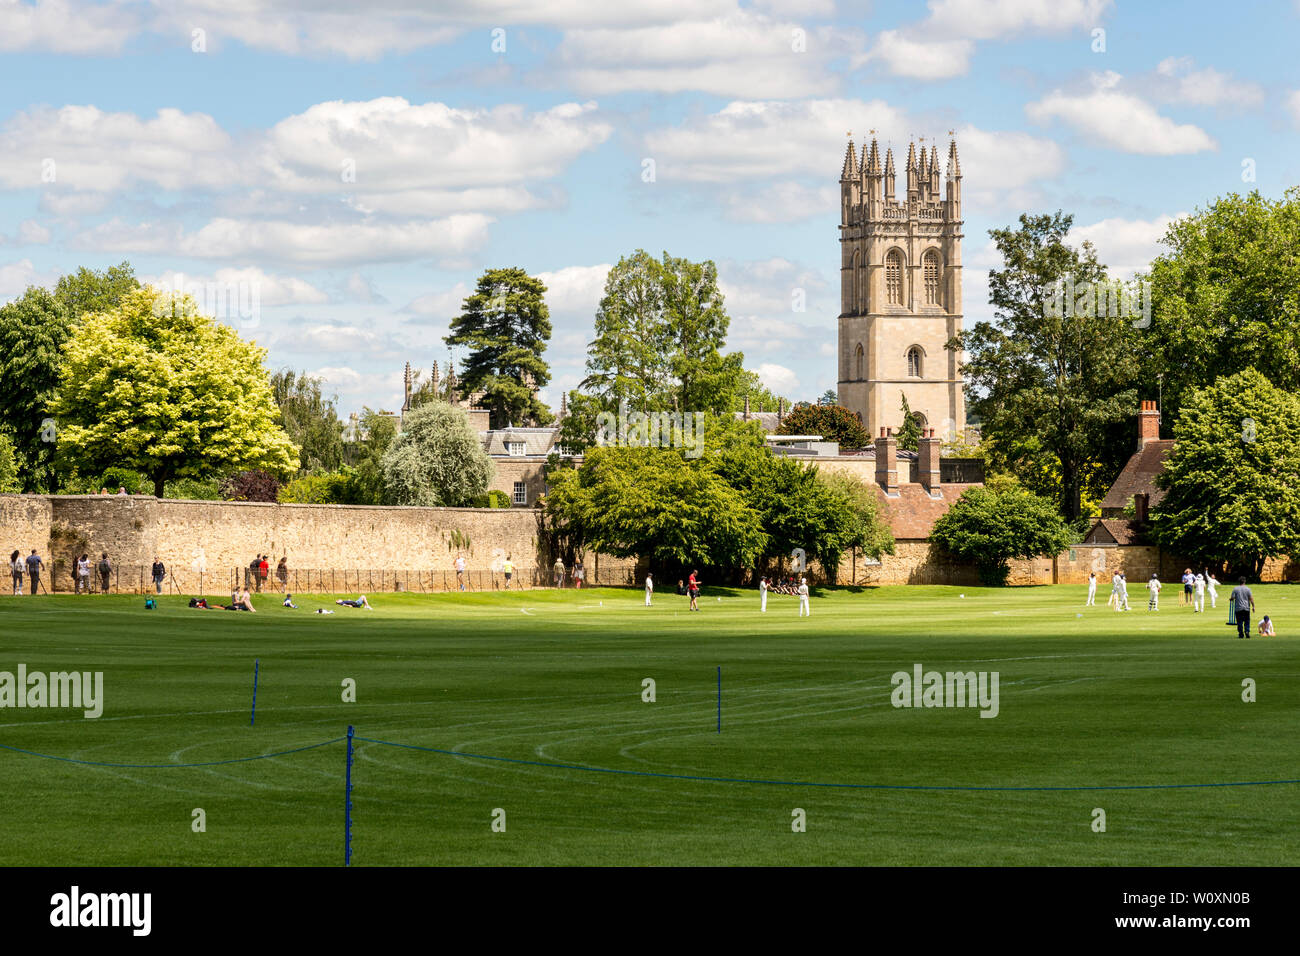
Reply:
x=359, y=602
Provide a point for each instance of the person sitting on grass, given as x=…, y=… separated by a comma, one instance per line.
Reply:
x=1266, y=628
x=288, y=602
x=241, y=601
x=359, y=602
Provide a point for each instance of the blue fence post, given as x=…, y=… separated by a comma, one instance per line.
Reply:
x=719, y=698
x=252, y=718
x=347, y=806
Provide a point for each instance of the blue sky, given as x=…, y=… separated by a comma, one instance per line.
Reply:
x=358, y=166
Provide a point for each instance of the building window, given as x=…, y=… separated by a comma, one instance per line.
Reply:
x=914, y=362
x=894, y=278
x=521, y=493
x=861, y=363
x=930, y=273
x=515, y=449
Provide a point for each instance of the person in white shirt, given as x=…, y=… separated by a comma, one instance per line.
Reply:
x=1123, y=591
x=1154, y=587
x=649, y=589
x=1198, y=604
x=1212, y=586
x=460, y=571
x=762, y=594
x=803, y=598
x=1092, y=589
x=1113, y=600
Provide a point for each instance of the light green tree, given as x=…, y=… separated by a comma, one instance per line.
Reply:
x=155, y=385
x=437, y=460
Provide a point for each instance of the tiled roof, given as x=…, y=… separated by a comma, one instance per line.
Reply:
x=1115, y=531
x=536, y=441
x=913, y=513
x=1138, y=477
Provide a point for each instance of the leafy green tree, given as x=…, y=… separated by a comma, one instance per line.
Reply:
x=155, y=385
x=310, y=420
x=9, y=483
x=829, y=397
x=1226, y=296
x=437, y=460
x=377, y=431
x=868, y=533
x=833, y=422
x=33, y=329
x=909, y=433
x=1233, y=477
x=1050, y=388
x=761, y=398
x=90, y=290
x=655, y=503
x=660, y=330
x=505, y=325
x=991, y=527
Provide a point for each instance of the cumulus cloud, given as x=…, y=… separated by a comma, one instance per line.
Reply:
x=271, y=290
x=1177, y=80
x=777, y=378
x=60, y=26
x=1125, y=246
x=1109, y=116
x=15, y=277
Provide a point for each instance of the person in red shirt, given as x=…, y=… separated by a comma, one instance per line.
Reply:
x=693, y=589
x=263, y=572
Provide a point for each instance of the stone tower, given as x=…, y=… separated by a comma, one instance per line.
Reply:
x=900, y=290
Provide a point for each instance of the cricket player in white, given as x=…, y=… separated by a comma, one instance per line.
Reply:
x=1123, y=592
x=803, y=598
x=649, y=589
x=1198, y=601
x=1154, y=587
x=1113, y=600
x=1092, y=589
x=1213, y=587
x=762, y=593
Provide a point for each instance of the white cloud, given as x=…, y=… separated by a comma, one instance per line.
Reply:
x=32, y=233
x=575, y=290
x=1110, y=117
x=15, y=277
x=940, y=47
x=1177, y=80
x=1293, y=104
x=271, y=290
x=63, y=27
x=777, y=378
x=329, y=244
x=445, y=304
x=741, y=54
x=1125, y=246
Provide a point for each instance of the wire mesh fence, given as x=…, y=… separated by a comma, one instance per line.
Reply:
x=59, y=577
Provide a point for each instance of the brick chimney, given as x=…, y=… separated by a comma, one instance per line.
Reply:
x=927, y=460
x=1141, y=505
x=887, y=461
x=1148, y=423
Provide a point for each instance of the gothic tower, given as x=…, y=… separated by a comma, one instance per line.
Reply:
x=900, y=290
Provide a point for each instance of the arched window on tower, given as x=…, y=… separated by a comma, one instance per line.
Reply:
x=855, y=285
x=930, y=275
x=860, y=363
x=894, y=277
x=914, y=362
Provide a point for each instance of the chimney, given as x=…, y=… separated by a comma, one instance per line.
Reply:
x=1148, y=423
x=780, y=409
x=887, y=461
x=1141, y=503
x=746, y=408
x=927, y=460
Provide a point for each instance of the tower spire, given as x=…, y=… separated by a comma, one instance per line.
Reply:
x=850, y=169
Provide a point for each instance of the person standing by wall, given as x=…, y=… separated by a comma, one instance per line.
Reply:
x=81, y=574
x=508, y=567
x=105, y=573
x=263, y=572
x=282, y=573
x=1092, y=589
x=649, y=589
x=460, y=571
x=158, y=572
x=16, y=567
x=1243, y=602
x=34, y=566
x=804, y=609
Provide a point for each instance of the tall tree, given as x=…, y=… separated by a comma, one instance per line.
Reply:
x=33, y=329
x=1226, y=296
x=90, y=290
x=1233, y=478
x=310, y=420
x=505, y=325
x=154, y=385
x=909, y=433
x=660, y=331
x=1049, y=384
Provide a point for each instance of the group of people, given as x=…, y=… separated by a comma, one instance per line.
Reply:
x=259, y=571
x=32, y=566
x=1196, y=585
x=577, y=574
x=690, y=587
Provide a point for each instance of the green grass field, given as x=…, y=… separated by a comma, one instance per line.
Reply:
x=1102, y=699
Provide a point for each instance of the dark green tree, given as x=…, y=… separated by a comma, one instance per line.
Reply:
x=1050, y=387
x=33, y=329
x=833, y=422
x=909, y=433
x=90, y=290
x=991, y=527
x=505, y=325
x=1233, y=477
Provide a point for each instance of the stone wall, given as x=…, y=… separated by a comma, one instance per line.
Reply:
x=220, y=536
